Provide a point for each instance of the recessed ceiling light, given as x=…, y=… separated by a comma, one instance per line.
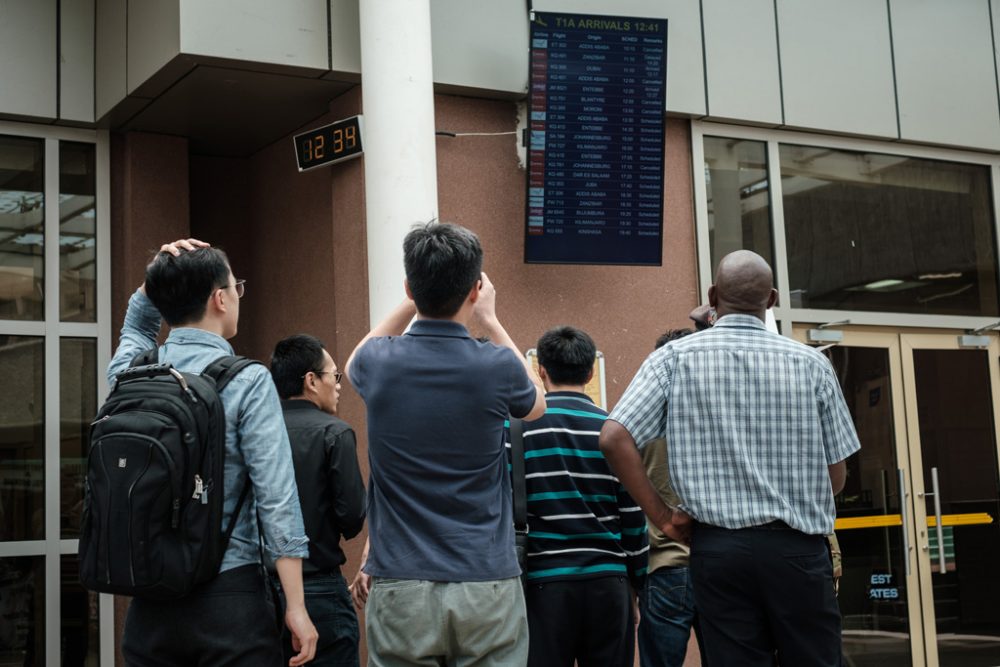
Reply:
x=887, y=285
x=883, y=284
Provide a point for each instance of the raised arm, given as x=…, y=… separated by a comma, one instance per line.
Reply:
x=394, y=324
x=485, y=312
x=142, y=319
x=139, y=331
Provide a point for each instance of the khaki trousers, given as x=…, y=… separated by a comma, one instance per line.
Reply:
x=454, y=624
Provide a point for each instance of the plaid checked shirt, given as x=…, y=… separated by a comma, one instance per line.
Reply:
x=752, y=420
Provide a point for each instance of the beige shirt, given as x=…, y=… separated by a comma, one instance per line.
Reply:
x=663, y=551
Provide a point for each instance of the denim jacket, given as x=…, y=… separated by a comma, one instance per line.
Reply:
x=256, y=440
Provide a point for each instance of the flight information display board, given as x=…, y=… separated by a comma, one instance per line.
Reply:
x=595, y=152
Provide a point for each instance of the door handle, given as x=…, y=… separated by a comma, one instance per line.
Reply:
x=906, y=526
x=937, y=515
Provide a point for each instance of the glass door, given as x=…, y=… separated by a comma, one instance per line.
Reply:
x=879, y=597
x=952, y=397
x=920, y=575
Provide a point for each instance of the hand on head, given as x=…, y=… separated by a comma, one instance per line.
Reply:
x=175, y=248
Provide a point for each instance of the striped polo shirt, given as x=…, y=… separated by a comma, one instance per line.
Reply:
x=581, y=522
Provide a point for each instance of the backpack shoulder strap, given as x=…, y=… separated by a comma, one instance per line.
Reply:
x=517, y=478
x=236, y=513
x=224, y=369
x=146, y=358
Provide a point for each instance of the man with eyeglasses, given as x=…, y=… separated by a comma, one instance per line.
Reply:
x=227, y=620
x=331, y=491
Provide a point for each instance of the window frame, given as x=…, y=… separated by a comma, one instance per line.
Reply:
x=786, y=315
x=53, y=547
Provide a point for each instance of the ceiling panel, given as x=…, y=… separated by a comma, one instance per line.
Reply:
x=233, y=112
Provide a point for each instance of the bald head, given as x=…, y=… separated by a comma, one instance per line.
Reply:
x=744, y=283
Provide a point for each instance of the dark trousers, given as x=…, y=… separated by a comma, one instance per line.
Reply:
x=225, y=623
x=332, y=612
x=589, y=621
x=763, y=594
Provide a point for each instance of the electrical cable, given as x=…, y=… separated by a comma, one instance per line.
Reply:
x=445, y=133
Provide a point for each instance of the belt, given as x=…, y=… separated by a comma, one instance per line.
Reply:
x=321, y=574
x=772, y=525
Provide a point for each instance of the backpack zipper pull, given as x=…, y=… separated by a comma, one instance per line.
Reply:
x=175, y=516
x=199, y=488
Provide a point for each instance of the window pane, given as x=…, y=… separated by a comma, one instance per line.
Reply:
x=22, y=227
x=79, y=621
x=22, y=611
x=739, y=198
x=77, y=232
x=874, y=232
x=22, y=438
x=78, y=405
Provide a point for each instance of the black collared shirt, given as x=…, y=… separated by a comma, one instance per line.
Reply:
x=331, y=491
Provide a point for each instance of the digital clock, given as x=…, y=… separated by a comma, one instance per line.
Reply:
x=331, y=143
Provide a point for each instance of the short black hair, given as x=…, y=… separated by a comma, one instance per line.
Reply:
x=567, y=354
x=671, y=335
x=179, y=286
x=293, y=357
x=443, y=263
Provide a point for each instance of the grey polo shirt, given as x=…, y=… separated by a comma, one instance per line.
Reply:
x=439, y=496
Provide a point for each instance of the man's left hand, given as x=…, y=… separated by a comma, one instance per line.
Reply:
x=175, y=248
x=359, y=589
x=304, y=635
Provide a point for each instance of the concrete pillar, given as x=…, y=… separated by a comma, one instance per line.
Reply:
x=397, y=87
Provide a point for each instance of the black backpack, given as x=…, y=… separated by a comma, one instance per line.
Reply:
x=152, y=518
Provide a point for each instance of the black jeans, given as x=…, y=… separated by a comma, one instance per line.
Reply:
x=332, y=612
x=587, y=620
x=225, y=623
x=763, y=594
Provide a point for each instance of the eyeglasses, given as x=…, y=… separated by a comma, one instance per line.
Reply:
x=336, y=375
x=239, y=286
